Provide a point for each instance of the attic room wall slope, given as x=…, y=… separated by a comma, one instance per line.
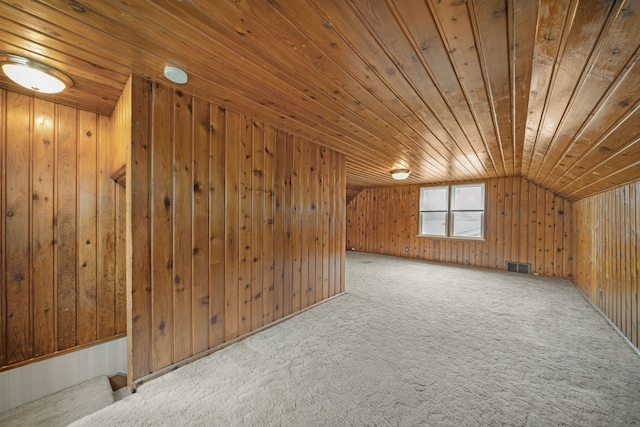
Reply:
x=523, y=223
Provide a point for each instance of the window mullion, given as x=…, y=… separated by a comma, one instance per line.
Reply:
x=449, y=213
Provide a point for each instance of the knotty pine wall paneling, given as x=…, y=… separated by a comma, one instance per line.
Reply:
x=200, y=228
x=232, y=224
x=138, y=232
x=121, y=128
x=523, y=222
x=607, y=262
x=59, y=284
x=3, y=235
x=115, y=156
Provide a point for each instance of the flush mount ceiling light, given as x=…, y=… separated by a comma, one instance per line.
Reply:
x=400, y=173
x=175, y=75
x=34, y=75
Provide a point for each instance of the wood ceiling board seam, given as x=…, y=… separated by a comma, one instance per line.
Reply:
x=484, y=67
x=19, y=46
x=595, y=149
x=380, y=113
x=297, y=117
x=302, y=30
x=613, y=166
x=417, y=133
x=60, y=52
x=511, y=36
x=336, y=101
x=374, y=71
x=577, y=88
x=603, y=106
x=459, y=139
x=432, y=76
x=138, y=58
x=59, y=11
x=465, y=136
x=82, y=89
x=581, y=193
x=626, y=25
x=572, y=63
x=329, y=141
x=542, y=80
x=273, y=118
x=573, y=146
x=38, y=8
x=523, y=17
x=229, y=66
x=324, y=107
x=475, y=91
x=540, y=145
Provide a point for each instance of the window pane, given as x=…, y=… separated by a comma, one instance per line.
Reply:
x=433, y=223
x=433, y=199
x=467, y=224
x=468, y=197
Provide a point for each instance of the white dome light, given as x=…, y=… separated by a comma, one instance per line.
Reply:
x=400, y=173
x=33, y=75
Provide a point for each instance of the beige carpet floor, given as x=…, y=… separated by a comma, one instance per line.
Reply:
x=411, y=343
x=61, y=408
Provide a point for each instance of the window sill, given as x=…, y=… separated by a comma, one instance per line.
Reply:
x=473, y=239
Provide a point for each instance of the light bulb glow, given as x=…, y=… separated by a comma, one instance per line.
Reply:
x=400, y=174
x=33, y=79
x=33, y=75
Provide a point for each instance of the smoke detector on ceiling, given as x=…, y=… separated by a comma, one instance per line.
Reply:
x=175, y=74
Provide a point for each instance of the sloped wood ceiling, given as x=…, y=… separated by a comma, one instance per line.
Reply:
x=452, y=89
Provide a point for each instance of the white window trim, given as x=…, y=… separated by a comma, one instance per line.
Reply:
x=449, y=213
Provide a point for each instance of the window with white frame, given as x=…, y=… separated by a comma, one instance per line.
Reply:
x=452, y=211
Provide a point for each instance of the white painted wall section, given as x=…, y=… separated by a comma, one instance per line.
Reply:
x=30, y=382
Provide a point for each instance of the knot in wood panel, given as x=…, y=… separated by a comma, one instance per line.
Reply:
x=76, y=7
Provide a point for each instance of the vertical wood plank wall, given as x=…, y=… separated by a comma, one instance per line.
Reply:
x=607, y=261
x=523, y=223
x=233, y=224
x=58, y=284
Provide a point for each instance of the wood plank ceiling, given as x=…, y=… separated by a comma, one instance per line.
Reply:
x=452, y=89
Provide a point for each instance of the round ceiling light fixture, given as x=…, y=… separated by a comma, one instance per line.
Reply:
x=34, y=75
x=400, y=173
x=175, y=74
